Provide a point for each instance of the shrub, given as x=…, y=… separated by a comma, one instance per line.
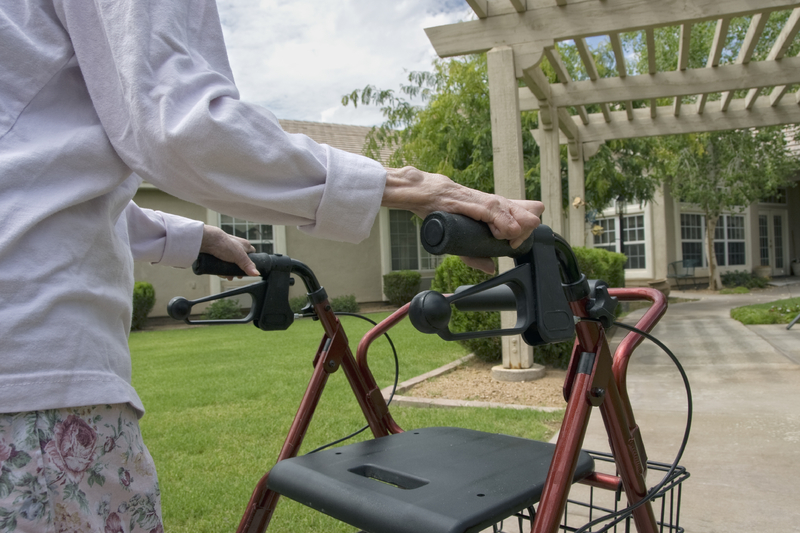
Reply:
x=742, y=278
x=345, y=304
x=144, y=298
x=225, y=309
x=597, y=263
x=450, y=275
x=401, y=286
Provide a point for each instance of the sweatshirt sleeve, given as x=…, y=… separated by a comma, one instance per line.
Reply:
x=162, y=238
x=159, y=78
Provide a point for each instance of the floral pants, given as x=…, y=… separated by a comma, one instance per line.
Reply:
x=77, y=470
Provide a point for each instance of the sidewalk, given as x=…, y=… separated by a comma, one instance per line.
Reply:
x=744, y=451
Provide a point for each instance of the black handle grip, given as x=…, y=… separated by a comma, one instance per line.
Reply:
x=208, y=264
x=446, y=233
x=500, y=298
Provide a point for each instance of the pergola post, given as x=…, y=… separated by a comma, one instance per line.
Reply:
x=550, y=165
x=577, y=192
x=509, y=181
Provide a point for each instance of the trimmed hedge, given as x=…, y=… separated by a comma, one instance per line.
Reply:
x=345, y=304
x=401, y=286
x=224, y=309
x=144, y=298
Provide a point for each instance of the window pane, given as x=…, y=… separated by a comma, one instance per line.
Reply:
x=735, y=228
x=777, y=227
x=763, y=239
x=608, y=236
x=693, y=251
x=719, y=251
x=635, y=253
x=691, y=227
x=736, y=253
x=259, y=235
x=403, y=233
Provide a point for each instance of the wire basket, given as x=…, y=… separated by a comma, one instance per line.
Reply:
x=587, y=503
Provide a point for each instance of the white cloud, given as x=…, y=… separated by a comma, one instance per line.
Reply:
x=298, y=57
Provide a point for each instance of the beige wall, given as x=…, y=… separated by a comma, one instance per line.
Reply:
x=341, y=268
x=167, y=281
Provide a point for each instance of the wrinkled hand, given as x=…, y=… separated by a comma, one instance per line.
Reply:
x=228, y=248
x=423, y=193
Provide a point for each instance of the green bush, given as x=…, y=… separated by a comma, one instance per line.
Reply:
x=144, y=298
x=401, y=286
x=450, y=275
x=225, y=309
x=595, y=263
x=742, y=278
x=345, y=304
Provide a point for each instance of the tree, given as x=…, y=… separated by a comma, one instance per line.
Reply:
x=449, y=130
x=726, y=171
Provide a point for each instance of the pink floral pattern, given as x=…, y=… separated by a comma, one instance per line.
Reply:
x=82, y=470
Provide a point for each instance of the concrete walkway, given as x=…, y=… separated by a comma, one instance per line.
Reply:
x=744, y=451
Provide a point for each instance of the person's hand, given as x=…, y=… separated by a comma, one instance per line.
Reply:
x=228, y=248
x=423, y=193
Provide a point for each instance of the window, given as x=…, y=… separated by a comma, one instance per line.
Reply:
x=407, y=251
x=607, y=238
x=763, y=239
x=692, y=238
x=729, y=239
x=633, y=235
x=633, y=239
x=259, y=235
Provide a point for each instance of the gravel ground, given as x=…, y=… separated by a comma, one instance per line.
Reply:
x=473, y=381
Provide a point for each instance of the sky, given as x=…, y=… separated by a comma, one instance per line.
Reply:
x=298, y=57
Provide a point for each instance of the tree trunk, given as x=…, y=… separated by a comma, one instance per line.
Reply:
x=714, y=281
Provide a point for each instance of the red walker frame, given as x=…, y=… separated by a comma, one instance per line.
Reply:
x=603, y=387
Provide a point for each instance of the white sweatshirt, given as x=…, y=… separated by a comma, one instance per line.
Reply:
x=90, y=91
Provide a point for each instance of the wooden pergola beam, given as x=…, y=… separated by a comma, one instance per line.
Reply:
x=547, y=22
x=761, y=114
x=689, y=82
x=754, y=31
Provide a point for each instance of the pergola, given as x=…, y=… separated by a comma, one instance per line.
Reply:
x=518, y=34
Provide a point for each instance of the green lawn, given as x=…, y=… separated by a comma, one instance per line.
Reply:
x=220, y=399
x=777, y=312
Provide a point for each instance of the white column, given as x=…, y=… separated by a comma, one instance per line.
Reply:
x=509, y=177
x=550, y=165
x=577, y=189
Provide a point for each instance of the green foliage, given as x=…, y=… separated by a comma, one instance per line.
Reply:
x=345, y=304
x=401, y=286
x=144, y=298
x=742, y=278
x=735, y=290
x=597, y=263
x=777, y=312
x=224, y=309
x=450, y=133
x=450, y=275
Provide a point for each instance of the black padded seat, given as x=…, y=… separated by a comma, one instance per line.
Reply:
x=431, y=480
